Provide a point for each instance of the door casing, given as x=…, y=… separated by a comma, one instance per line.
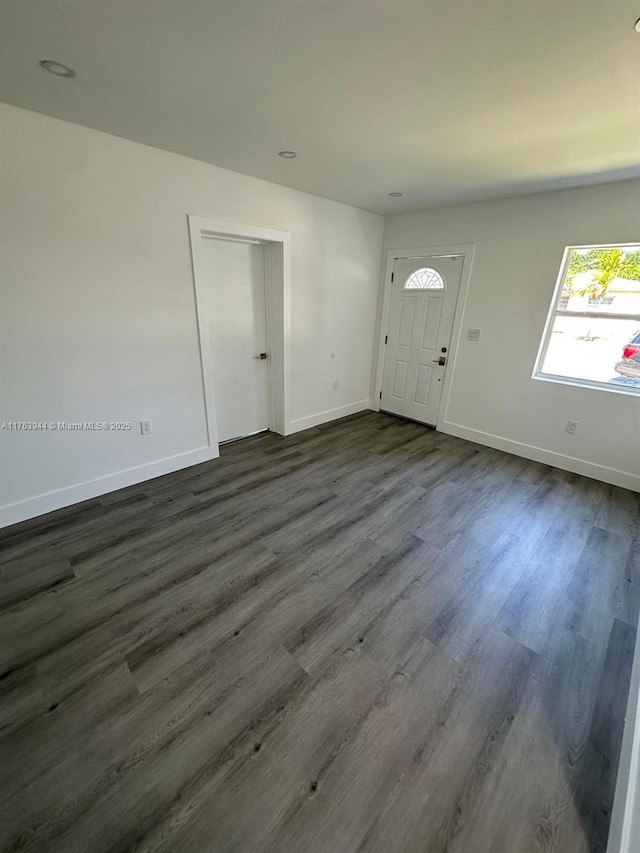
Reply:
x=278, y=314
x=467, y=251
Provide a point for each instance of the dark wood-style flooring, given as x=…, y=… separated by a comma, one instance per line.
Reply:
x=365, y=637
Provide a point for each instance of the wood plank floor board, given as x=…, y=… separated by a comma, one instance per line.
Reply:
x=535, y=603
x=80, y=612
x=503, y=511
x=627, y=593
x=344, y=623
x=127, y=793
x=368, y=636
x=262, y=619
x=210, y=517
x=431, y=797
x=362, y=512
x=312, y=725
x=392, y=531
x=593, y=788
x=619, y=512
x=348, y=792
x=592, y=590
x=138, y=632
x=36, y=805
x=469, y=608
x=21, y=699
x=545, y=744
x=20, y=581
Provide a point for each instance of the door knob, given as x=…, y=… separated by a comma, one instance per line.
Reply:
x=441, y=361
x=262, y=356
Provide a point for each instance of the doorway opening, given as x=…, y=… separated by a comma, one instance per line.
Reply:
x=242, y=281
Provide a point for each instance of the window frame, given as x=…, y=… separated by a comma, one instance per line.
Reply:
x=538, y=372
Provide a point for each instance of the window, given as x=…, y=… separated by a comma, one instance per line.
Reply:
x=424, y=279
x=593, y=327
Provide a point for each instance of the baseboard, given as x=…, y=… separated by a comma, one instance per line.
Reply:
x=625, y=816
x=329, y=415
x=49, y=501
x=548, y=457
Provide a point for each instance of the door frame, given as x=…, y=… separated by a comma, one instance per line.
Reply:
x=277, y=256
x=467, y=250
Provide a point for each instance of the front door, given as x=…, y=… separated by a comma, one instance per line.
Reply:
x=235, y=273
x=423, y=303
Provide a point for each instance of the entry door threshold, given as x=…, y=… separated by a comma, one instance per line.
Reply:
x=242, y=437
x=411, y=420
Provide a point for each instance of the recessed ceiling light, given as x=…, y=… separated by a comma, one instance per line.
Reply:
x=395, y=195
x=57, y=68
x=288, y=155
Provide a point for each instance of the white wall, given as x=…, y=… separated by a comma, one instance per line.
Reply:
x=98, y=311
x=519, y=247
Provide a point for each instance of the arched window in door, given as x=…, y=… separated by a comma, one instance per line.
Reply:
x=424, y=279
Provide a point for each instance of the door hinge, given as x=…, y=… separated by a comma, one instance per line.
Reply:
x=392, y=275
x=386, y=338
x=381, y=395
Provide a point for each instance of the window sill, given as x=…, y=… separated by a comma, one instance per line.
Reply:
x=626, y=390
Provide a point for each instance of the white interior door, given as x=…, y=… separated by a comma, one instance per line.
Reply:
x=422, y=308
x=235, y=273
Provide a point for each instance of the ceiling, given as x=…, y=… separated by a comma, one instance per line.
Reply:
x=442, y=100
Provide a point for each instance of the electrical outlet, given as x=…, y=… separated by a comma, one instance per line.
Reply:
x=473, y=334
x=145, y=427
x=335, y=384
x=572, y=427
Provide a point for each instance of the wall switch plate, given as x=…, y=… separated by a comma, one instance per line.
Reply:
x=572, y=427
x=145, y=427
x=473, y=334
